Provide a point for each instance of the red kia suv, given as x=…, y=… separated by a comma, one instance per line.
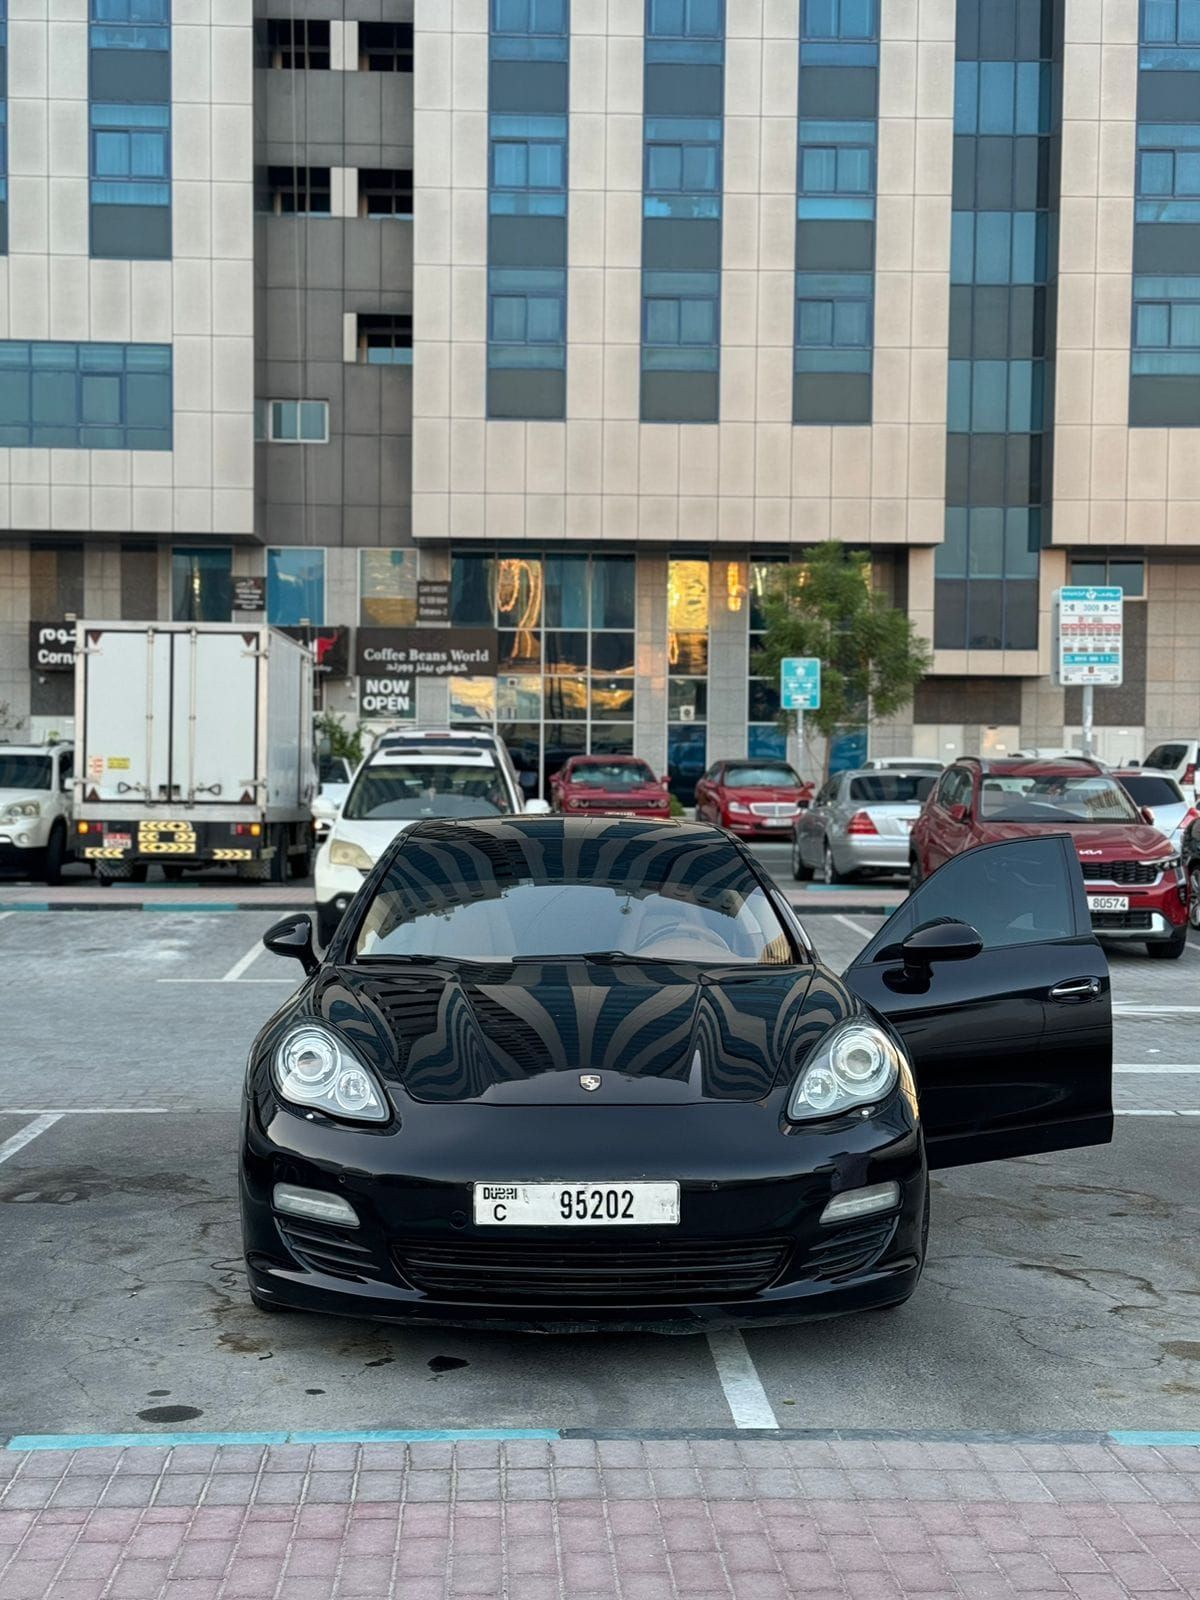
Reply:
x=752, y=798
x=609, y=786
x=1136, y=885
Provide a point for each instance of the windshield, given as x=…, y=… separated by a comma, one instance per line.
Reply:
x=24, y=772
x=1153, y=791
x=761, y=778
x=612, y=775
x=333, y=770
x=892, y=788
x=1060, y=797
x=404, y=791
x=507, y=895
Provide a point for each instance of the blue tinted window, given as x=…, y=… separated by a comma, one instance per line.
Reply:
x=130, y=24
x=296, y=587
x=685, y=19
x=90, y=396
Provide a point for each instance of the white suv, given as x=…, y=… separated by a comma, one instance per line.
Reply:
x=36, y=804
x=1181, y=760
x=406, y=779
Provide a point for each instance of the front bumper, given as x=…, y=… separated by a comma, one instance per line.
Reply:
x=1153, y=914
x=18, y=858
x=335, y=886
x=855, y=852
x=759, y=827
x=749, y=1247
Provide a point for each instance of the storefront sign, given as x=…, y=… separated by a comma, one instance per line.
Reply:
x=330, y=648
x=249, y=594
x=427, y=652
x=433, y=600
x=51, y=647
x=1088, y=629
x=387, y=697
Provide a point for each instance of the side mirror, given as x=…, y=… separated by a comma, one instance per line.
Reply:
x=958, y=813
x=537, y=808
x=940, y=941
x=293, y=937
x=1148, y=815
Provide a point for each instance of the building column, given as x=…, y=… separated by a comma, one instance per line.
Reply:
x=728, y=659
x=650, y=708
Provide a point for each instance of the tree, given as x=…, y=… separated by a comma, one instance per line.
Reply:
x=871, y=656
x=340, y=740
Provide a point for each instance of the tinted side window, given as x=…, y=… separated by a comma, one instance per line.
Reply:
x=1024, y=891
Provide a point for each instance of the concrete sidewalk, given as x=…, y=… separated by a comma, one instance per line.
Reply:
x=711, y=1518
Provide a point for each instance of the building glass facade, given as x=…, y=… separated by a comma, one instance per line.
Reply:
x=683, y=182
x=1003, y=269
x=835, y=210
x=528, y=185
x=1165, y=356
x=130, y=123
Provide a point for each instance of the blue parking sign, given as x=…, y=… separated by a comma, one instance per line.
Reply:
x=800, y=683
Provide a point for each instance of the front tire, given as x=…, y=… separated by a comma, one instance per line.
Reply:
x=1194, y=885
x=801, y=870
x=56, y=852
x=1170, y=949
x=914, y=874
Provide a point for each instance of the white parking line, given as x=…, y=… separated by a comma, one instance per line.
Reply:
x=1161, y=1069
x=1123, y=1111
x=241, y=982
x=855, y=927
x=1127, y=1009
x=28, y=1133
x=87, y=1111
x=744, y=1393
x=243, y=962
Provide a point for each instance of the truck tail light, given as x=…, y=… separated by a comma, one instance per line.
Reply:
x=244, y=829
x=861, y=822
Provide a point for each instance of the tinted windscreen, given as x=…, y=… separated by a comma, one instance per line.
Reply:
x=1058, y=797
x=24, y=772
x=398, y=791
x=1152, y=791
x=505, y=894
x=612, y=775
x=892, y=788
x=761, y=778
x=333, y=770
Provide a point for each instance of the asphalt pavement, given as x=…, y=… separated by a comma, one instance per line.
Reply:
x=1060, y=1291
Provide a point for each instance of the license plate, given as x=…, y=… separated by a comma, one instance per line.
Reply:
x=1108, y=902
x=576, y=1205
x=117, y=841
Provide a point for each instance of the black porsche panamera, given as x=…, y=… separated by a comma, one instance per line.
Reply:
x=558, y=1072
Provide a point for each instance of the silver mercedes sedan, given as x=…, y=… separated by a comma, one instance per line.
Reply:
x=859, y=822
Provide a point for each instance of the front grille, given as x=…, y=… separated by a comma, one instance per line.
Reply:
x=848, y=1251
x=1121, y=919
x=507, y=1273
x=615, y=803
x=767, y=809
x=322, y=1248
x=1120, y=871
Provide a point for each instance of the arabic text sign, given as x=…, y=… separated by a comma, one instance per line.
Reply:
x=1089, y=630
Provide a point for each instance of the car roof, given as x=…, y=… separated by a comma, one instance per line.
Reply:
x=887, y=772
x=432, y=756
x=607, y=761
x=1035, y=767
x=569, y=827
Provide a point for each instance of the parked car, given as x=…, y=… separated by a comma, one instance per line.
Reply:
x=755, y=799
x=1154, y=791
x=1191, y=865
x=37, y=835
x=334, y=776
x=859, y=822
x=1136, y=886
x=609, y=786
x=575, y=1072
x=1181, y=759
x=399, y=784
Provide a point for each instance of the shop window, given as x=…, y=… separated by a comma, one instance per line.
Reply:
x=296, y=587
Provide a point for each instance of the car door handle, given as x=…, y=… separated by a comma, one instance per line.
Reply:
x=1076, y=989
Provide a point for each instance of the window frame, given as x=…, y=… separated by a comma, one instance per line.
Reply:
x=273, y=437
x=275, y=551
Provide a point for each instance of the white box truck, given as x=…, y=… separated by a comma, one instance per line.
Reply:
x=194, y=745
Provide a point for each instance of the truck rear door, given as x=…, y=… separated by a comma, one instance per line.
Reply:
x=215, y=697
x=126, y=712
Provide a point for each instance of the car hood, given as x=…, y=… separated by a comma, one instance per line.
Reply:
x=373, y=837
x=526, y=1034
x=616, y=797
x=16, y=797
x=1096, y=841
x=772, y=796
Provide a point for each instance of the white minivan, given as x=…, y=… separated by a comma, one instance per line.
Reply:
x=409, y=777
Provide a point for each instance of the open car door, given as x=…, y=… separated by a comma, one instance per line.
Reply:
x=1011, y=1044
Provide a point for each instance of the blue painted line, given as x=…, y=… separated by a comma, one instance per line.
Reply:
x=187, y=905
x=25, y=905
x=161, y=1441
x=1166, y=1438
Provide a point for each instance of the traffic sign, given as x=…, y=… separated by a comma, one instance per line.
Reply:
x=1089, y=636
x=800, y=683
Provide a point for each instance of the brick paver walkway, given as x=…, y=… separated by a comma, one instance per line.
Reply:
x=607, y=1519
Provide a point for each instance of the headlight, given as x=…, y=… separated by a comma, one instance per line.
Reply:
x=738, y=805
x=1166, y=863
x=312, y=1068
x=344, y=853
x=855, y=1065
x=23, y=808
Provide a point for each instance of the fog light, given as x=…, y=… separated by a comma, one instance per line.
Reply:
x=342, y=901
x=862, y=1202
x=316, y=1205
x=22, y=838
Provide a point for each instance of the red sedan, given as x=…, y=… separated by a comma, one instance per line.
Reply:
x=752, y=798
x=609, y=786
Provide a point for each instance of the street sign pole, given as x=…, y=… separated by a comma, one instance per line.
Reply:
x=1089, y=718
